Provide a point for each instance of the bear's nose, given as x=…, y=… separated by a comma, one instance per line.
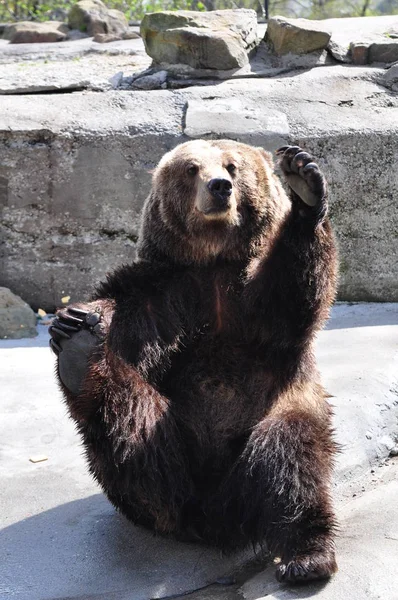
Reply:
x=220, y=188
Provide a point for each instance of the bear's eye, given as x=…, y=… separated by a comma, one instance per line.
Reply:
x=192, y=170
x=231, y=168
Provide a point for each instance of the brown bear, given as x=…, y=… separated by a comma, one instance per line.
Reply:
x=191, y=375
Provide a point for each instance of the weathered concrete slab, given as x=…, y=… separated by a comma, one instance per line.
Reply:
x=75, y=170
x=68, y=50
x=64, y=540
x=358, y=357
x=93, y=72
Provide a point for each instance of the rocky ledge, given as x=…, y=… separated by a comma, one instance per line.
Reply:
x=75, y=164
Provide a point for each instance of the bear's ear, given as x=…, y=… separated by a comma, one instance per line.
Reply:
x=267, y=156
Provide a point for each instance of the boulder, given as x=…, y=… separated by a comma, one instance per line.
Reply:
x=92, y=17
x=17, y=319
x=384, y=51
x=219, y=39
x=28, y=32
x=298, y=36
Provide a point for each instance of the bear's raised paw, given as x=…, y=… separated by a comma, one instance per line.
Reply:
x=304, y=178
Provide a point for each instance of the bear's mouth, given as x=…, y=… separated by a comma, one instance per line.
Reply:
x=216, y=211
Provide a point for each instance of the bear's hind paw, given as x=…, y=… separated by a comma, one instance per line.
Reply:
x=310, y=567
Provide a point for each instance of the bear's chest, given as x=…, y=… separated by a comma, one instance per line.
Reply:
x=222, y=310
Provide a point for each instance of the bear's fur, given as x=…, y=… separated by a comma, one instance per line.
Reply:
x=202, y=413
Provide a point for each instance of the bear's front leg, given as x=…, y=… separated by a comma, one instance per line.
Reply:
x=131, y=439
x=308, y=187
x=290, y=289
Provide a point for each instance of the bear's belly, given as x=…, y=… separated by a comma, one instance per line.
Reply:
x=218, y=392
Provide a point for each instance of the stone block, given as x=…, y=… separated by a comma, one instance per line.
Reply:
x=231, y=117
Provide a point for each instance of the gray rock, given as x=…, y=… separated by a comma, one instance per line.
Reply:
x=150, y=82
x=352, y=37
x=17, y=319
x=75, y=34
x=215, y=40
x=92, y=17
x=105, y=38
x=338, y=51
x=298, y=36
x=180, y=71
x=29, y=32
x=116, y=80
x=131, y=35
x=390, y=78
x=383, y=51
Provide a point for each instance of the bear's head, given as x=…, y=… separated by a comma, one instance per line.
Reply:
x=210, y=199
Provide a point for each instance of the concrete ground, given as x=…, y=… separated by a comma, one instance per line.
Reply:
x=61, y=539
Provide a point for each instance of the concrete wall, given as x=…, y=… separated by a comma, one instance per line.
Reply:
x=75, y=170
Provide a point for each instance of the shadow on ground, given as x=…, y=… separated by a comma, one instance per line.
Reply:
x=85, y=550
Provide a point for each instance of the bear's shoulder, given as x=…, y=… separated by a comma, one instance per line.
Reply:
x=139, y=278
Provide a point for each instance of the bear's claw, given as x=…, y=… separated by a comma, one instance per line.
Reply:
x=70, y=321
x=56, y=348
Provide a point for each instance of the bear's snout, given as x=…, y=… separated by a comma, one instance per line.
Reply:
x=221, y=191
